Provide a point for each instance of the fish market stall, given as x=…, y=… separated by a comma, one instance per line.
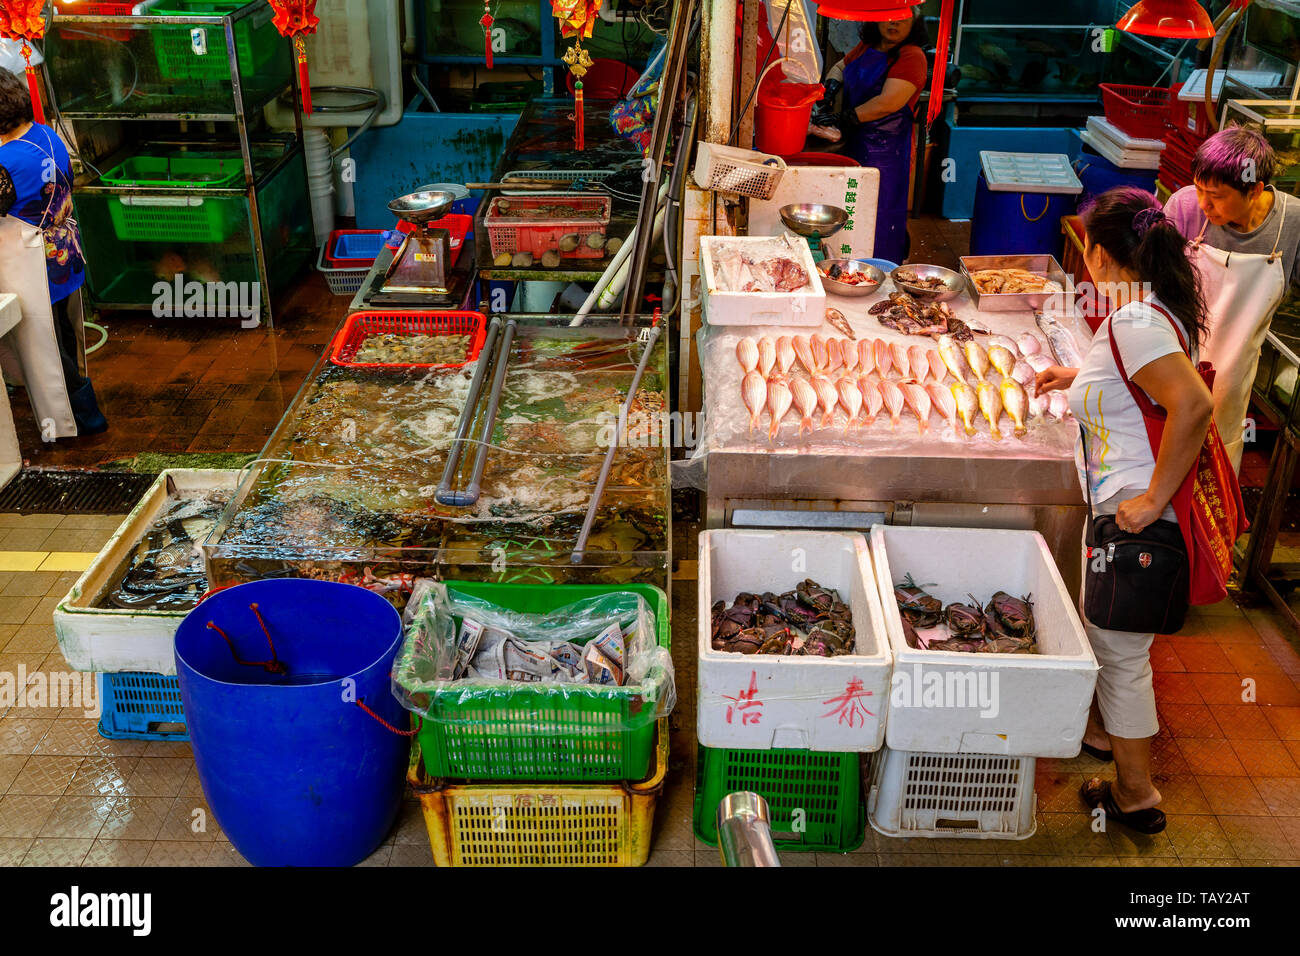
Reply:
x=351, y=486
x=904, y=448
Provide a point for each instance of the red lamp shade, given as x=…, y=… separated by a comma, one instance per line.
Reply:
x=879, y=11
x=1180, y=19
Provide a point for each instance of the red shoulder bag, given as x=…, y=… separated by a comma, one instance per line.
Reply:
x=1208, y=502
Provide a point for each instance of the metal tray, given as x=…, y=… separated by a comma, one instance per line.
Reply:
x=1020, y=301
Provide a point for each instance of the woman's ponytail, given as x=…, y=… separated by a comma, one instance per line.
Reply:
x=1129, y=224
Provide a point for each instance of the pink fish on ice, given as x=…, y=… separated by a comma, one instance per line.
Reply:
x=805, y=399
x=893, y=396
x=754, y=391
x=747, y=354
x=784, y=354
x=850, y=400
x=778, y=403
x=871, y=397
x=766, y=356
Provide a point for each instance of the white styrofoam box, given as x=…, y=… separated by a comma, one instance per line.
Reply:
x=804, y=309
x=1103, y=127
x=111, y=640
x=1123, y=158
x=763, y=701
x=1031, y=705
x=855, y=189
x=1029, y=172
x=1194, y=87
x=975, y=796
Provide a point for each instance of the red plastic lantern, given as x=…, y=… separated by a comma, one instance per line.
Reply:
x=863, y=11
x=1179, y=19
x=296, y=18
x=25, y=20
x=577, y=19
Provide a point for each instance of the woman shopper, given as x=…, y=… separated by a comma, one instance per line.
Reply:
x=1140, y=262
x=881, y=79
x=41, y=262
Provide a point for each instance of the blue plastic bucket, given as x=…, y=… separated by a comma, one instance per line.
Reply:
x=1098, y=174
x=294, y=771
x=1017, y=223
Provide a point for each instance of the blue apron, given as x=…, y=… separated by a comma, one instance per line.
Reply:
x=886, y=145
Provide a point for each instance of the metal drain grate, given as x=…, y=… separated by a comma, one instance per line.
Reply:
x=74, y=492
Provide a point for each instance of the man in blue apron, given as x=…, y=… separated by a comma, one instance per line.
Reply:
x=881, y=80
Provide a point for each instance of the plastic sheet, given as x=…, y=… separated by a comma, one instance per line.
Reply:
x=452, y=633
x=725, y=420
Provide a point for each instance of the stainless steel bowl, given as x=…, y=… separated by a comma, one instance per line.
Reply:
x=814, y=220
x=954, y=283
x=836, y=287
x=421, y=207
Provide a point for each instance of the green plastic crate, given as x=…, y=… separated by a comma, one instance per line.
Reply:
x=168, y=219
x=256, y=41
x=542, y=734
x=815, y=799
x=194, y=172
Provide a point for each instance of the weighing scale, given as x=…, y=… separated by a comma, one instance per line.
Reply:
x=814, y=221
x=432, y=267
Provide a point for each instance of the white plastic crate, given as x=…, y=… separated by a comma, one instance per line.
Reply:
x=1032, y=705
x=803, y=309
x=764, y=701
x=980, y=796
x=112, y=640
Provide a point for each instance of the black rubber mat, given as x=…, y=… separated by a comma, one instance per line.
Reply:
x=74, y=492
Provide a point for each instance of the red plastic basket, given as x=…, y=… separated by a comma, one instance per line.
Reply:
x=98, y=8
x=1137, y=110
x=1189, y=117
x=362, y=325
x=520, y=234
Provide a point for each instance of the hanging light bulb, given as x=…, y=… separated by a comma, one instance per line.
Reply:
x=1180, y=19
x=879, y=11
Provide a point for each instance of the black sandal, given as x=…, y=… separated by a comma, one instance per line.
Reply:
x=1097, y=793
x=1096, y=753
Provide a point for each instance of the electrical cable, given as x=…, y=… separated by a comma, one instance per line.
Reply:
x=433, y=104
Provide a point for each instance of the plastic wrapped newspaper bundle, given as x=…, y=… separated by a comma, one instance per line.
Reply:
x=537, y=682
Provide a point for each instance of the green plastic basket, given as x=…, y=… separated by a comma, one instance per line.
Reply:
x=815, y=799
x=173, y=218
x=256, y=41
x=543, y=734
x=193, y=172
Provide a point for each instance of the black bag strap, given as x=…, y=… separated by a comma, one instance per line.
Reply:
x=1089, y=537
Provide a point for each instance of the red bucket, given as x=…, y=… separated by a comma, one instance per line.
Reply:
x=781, y=119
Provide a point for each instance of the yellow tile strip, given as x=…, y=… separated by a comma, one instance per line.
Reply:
x=21, y=560
x=68, y=560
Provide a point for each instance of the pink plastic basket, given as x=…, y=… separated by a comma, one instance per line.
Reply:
x=542, y=234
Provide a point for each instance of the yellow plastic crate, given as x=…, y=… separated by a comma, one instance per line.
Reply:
x=1163, y=192
x=540, y=824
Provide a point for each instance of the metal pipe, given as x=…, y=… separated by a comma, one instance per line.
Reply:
x=673, y=209
x=443, y=494
x=590, y=519
x=719, y=70
x=614, y=290
x=745, y=831
x=470, y=495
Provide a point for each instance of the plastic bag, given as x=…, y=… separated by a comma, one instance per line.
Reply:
x=600, y=655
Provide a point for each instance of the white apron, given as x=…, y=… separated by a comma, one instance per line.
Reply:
x=37, y=364
x=1242, y=291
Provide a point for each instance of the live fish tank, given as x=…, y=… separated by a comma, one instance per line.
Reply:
x=346, y=488
x=1279, y=362
x=1279, y=122
x=1003, y=51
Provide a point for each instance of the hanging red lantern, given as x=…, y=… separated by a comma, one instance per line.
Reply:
x=878, y=11
x=297, y=18
x=25, y=20
x=1180, y=19
x=577, y=19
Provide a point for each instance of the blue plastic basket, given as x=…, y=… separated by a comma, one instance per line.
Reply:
x=355, y=246
x=141, y=706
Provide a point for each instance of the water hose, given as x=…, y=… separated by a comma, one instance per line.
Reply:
x=1220, y=46
x=614, y=267
x=590, y=519
x=444, y=495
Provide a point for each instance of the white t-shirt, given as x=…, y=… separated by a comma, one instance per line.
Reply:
x=1119, y=451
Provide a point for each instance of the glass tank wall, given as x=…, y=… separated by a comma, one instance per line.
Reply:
x=1279, y=121
x=139, y=226
x=345, y=488
x=132, y=69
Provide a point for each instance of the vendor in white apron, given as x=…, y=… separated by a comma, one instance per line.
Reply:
x=1245, y=238
x=41, y=262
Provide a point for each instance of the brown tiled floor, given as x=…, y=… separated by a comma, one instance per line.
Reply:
x=188, y=385
x=1229, y=770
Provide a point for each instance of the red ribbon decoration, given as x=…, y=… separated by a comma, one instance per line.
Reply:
x=487, y=22
x=296, y=18
x=940, y=64
x=25, y=20
x=580, y=135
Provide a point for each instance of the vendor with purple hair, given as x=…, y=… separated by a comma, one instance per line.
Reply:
x=1245, y=238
